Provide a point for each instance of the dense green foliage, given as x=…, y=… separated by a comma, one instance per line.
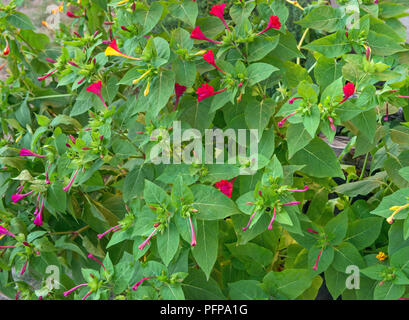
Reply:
x=81, y=192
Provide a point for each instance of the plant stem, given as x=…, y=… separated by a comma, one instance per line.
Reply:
x=364, y=166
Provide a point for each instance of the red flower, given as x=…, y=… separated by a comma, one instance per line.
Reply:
x=225, y=187
x=205, y=91
x=218, y=12
x=209, y=58
x=96, y=88
x=71, y=15
x=179, y=90
x=198, y=35
x=29, y=153
x=47, y=75
x=349, y=90
x=6, y=50
x=273, y=23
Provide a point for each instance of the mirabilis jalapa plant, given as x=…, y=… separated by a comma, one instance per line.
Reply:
x=81, y=192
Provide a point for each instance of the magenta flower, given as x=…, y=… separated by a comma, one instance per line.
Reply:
x=47, y=75
x=5, y=231
x=29, y=153
x=38, y=221
x=299, y=190
x=179, y=90
x=291, y=101
x=209, y=58
x=318, y=259
x=331, y=123
x=292, y=203
x=248, y=224
x=47, y=180
x=273, y=23
x=96, y=88
x=281, y=123
x=17, y=197
x=143, y=244
x=140, y=282
x=198, y=35
x=312, y=231
x=68, y=186
x=193, y=243
x=270, y=226
x=386, y=118
x=50, y=60
x=95, y=259
x=67, y=293
x=113, y=229
x=24, y=268
x=218, y=12
x=7, y=247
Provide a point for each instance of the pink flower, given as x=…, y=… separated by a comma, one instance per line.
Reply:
x=331, y=123
x=47, y=75
x=312, y=231
x=50, y=60
x=291, y=101
x=225, y=187
x=209, y=58
x=273, y=23
x=95, y=259
x=270, y=226
x=113, y=229
x=198, y=35
x=5, y=231
x=386, y=118
x=292, y=203
x=206, y=91
x=67, y=293
x=28, y=153
x=281, y=123
x=140, y=282
x=68, y=186
x=24, y=268
x=96, y=88
x=193, y=243
x=47, y=180
x=143, y=244
x=299, y=190
x=218, y=12
x=318, y=259
x=17, y=197
x=251, y=218
x=38, y=221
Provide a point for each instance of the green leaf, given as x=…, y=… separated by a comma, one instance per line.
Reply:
x=336, y=228
x=331, y=46
x=323, y=18
x=260, y=47
x=319, y=159
x=346, y=255
x=388, y=291
x=20, y=20
x=168, y=243
x=290, y=283
x=363, y=233
x=258, y=114
x=297, y=138
x=205, y=251
x=134, y=182
x=196, y=287
x=155, y=194
x=186, y=11
x=246, y=290
x=212, y=203
x=257, y=72
x=56, y=197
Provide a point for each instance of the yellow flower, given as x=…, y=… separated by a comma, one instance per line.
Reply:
x=122, y=2
x=45, y=24
x=61, y=7
x=112, y=50
x=381, y=256
x=146, y=92
x=141, y=77
x=200, y=53
x=395, y=210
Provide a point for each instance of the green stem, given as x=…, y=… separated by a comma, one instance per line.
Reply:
x=50, y=97
x=364, y=167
